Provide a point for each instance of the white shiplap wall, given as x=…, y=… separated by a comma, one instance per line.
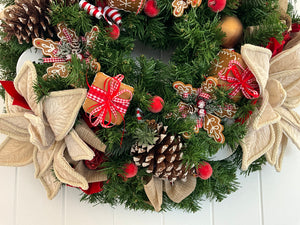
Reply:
x=265, y=198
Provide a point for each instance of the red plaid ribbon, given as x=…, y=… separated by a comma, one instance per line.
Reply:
x=202, y=94
x=54, y=51
x=53, y=60
x=182, y=108
x=242, y=80
x=67, y=35
x=185, y=95
x=199, y=122
x=108, y=102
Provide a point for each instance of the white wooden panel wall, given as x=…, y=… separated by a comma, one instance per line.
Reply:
x=264, y=198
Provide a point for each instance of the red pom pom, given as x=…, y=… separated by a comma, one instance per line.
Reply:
x=114, y=31
x=130, y=170
x=157, y=104
x=94, y=188
x=204, y=170
x=151, y=9
x=216, y=5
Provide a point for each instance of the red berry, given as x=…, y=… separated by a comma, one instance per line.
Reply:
x=157, y=104
x=114, y=31
x=130, y=170
x=201, y=104
x=204, y=170
x=151, y=9
x=216, y=5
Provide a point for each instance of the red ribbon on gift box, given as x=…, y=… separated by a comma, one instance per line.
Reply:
x=242, y=80
x=108, y=102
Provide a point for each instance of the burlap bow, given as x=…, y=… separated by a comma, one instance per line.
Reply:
x=45, y=134
x=177, y=191
x=275, y=121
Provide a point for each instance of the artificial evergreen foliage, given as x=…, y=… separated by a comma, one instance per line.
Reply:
x=194, y=40
x=76, y=19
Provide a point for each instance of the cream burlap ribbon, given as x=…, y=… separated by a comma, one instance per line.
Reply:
x=283, y=6
x=176, y=192
x=275, y=121
x=45, y=135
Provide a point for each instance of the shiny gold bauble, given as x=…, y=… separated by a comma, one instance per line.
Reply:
x=233, y=29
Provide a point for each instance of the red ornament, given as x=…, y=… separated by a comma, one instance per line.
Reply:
x=130, y=170
x=204, y=170
x=151, y=9
x=216, y=5
x=157, y=104
x=201, y=104
x=201, y=112
x=113, y=31
x=95, y=187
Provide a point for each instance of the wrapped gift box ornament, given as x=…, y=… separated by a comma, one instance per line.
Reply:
x=107, y=100
x=233, y=73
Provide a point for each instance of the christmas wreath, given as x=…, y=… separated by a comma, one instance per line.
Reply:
x=149, y=134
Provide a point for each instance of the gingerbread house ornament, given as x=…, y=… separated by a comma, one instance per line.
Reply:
x=127, y=5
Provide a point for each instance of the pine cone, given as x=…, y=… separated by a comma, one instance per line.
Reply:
x=164, y=158
x=27, y=19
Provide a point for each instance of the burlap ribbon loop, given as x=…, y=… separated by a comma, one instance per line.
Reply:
x=176, y=192
x=275, y=120
x=45, y=134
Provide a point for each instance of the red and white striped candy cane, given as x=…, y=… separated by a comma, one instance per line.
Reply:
x=100, y=11
x=139, y=114
x=91, y=9
x=113, y=14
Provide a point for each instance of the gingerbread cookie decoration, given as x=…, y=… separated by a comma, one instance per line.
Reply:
x=184, y=89
x=180, y=5
x=48, y=47
x=227, y=111
x=194, y=3
x=214, y=128
x=61, y=52
x=209, y=84
x=59, y=69
x=201, y=112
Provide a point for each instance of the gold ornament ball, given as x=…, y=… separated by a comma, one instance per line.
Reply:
x=233, y=29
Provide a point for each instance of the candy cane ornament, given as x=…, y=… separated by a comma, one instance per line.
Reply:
x=91, y=9
x=139, y=115
x=100, y=11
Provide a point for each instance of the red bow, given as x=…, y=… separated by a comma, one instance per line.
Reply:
x=242, y=80
x=277, y=47
x=108, y=102
x=18, y=99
